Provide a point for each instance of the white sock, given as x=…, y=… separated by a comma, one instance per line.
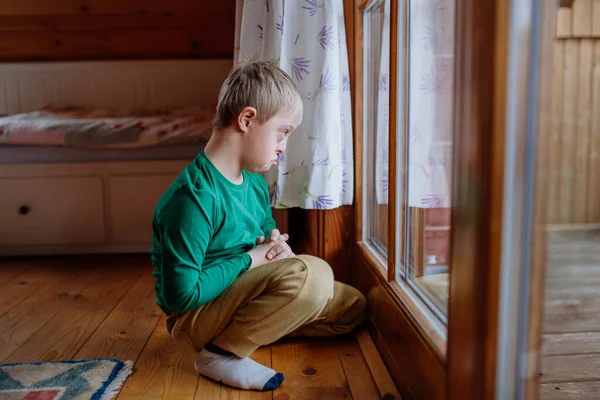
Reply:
x=242, y=373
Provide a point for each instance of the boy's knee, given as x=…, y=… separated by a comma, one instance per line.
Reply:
x=317, y=289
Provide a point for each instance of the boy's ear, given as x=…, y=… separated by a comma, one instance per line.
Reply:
x=247, y=116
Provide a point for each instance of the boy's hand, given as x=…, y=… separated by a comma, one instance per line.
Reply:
x=279, y=251
x=275, y=237
x=270, y=251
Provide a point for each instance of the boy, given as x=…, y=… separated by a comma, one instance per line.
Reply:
x=225, y=276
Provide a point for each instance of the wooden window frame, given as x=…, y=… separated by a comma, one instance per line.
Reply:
x=423, y=363
x=418, y=308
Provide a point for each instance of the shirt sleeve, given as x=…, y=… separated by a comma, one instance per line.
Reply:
x=187, y=227
x=269, y=223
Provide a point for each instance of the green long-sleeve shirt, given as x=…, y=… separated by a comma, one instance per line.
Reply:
x=202, y=229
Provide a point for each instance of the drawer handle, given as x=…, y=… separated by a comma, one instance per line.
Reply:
x=23, y=210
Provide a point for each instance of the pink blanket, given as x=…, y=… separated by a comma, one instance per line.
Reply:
x=96, y=128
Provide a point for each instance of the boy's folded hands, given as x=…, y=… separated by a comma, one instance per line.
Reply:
x=274, y=249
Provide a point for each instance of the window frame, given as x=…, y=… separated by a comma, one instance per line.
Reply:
x=419, y=308
x=467, y=355
x=379, y=251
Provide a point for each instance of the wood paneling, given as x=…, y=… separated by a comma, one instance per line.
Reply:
x=596, y=18
x=582, y=17
x=281, y=218
x=94, y=30
x=564, y=23
x=62, y=7
x=574, y=180
x=594, y=181
x=327, y=234
x=555, y=140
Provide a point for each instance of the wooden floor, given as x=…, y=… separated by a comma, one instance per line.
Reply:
x=83, y=307
x=571, y=341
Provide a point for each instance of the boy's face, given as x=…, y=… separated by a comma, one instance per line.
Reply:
x=265, y=141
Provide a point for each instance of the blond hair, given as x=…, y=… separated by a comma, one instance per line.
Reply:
x=259, y=84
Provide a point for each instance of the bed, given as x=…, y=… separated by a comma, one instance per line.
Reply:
x=86, y=149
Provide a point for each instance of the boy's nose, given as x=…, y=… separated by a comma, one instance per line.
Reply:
x=281, y=147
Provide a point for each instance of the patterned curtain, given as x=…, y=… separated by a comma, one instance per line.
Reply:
x=431, y=66
x=430, y=62
x=307, y=39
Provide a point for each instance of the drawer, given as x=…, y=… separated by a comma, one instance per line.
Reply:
x=49, y=211
x=132, y=203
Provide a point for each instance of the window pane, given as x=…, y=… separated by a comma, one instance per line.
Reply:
x=428, y=59
x=377, y=53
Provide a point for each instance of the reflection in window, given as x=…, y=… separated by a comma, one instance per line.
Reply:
x=377, y=64
x=428, y=60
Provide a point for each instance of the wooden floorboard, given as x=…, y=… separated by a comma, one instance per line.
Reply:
x=10, y=267
x=356, y=369
x=23, y=285
x=576, y=367
x=124, y=333
x=27, y=318
x=164, y=370
x=312, y=369
x=571, y=391
x=571, y=342
x=86, y=307
x=62, y=336
x=380, y=375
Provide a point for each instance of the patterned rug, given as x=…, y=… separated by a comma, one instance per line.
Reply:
x=63, y=380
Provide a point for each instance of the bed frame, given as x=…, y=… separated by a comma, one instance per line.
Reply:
x=68, y=201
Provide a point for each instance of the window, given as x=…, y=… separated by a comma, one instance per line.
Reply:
x=419, y=174
x=376, y=141
x=428, y=62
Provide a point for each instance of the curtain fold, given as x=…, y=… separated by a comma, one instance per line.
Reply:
x=430, y=62
x=307, y=39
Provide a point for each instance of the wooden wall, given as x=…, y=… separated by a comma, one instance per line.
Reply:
x=48, y=30
x=574, y=138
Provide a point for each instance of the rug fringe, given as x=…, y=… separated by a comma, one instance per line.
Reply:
x=113, y=388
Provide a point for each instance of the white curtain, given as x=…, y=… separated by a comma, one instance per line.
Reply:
x=431, y=66
x=307, y=38
x=430, y=62
x=382, y=105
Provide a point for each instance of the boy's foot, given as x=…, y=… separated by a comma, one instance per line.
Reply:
x=242, y=373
